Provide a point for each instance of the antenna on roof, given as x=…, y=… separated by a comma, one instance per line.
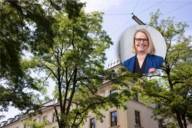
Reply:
x=137, y=20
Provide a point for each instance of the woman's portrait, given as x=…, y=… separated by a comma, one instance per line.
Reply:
x=144, y=59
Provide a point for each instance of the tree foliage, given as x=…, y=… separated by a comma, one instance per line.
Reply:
x=66, y=43
x=35, y=124
x=76, y=64
x=25, y=25
x=171, y=92
x=15, y=34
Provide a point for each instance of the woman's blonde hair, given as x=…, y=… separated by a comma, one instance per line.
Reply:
x=151, y=48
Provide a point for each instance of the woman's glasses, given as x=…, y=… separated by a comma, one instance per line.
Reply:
x=141, y=39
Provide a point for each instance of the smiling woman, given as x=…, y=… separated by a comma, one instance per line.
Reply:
x=144, y=60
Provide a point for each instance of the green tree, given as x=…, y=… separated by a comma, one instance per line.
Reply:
x=67, y=44
x=34, y=124
x=25, y=25
x=76, y=64
x=14, y=36
x=172, y=92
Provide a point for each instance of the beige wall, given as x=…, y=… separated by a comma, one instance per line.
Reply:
x=126, y=118
x=145, y=113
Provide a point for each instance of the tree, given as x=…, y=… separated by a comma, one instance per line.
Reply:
x=172, y=92
x=67, y=44
x=14, y=77
x=76, y=64
x=34, y=124
x=25, y=25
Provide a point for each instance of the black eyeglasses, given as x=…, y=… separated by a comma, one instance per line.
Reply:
x=141, y=39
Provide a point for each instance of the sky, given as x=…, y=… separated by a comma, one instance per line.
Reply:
x=117, y=17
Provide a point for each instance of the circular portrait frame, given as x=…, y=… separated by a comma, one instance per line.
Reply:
x=127, y=38
x=142, y=49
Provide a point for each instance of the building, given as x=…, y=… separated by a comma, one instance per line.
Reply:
x=137, y=115
x=46, y=113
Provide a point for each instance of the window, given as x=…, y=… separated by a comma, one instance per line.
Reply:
x=54, y=119
x=113, y=91
x=137, y=119
x=92, y=123
x=113, y=74
x=160, y=123
x=113, y=118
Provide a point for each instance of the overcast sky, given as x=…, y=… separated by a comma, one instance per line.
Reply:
x=117, y=17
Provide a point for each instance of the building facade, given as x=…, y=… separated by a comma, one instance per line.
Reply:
x=46, y=114
x=136, y=115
